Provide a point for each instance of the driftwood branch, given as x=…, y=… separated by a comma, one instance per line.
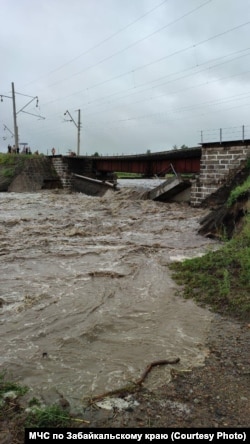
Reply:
x=153, y=364
x=134, y=385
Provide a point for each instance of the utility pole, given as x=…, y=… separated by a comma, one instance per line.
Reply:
x=14, y=115
x=78, y=126
x=15, y=112
x=78, y=132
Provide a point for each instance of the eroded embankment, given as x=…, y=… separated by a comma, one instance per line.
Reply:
x=21, y=173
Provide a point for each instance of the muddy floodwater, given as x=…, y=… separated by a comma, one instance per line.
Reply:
x=86, y=297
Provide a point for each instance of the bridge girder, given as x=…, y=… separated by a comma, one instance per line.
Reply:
x=183, y=161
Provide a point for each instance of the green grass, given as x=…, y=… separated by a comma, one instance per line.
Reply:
x=13, y=159
x=10, y=164
x=7, y=159
x=9, y=386
x=220, y=279
x=51, y=416
x=36, y=415
x=121, y=175
x=8, y=172
x=241, y=190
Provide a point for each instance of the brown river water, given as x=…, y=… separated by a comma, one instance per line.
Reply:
x=86, y=297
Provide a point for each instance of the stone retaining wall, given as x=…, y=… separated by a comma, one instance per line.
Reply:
x=218, y=163
x=63, y=172
x=30, y=174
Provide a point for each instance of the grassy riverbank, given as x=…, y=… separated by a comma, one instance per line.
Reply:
x=221, y=279
x=16, y=414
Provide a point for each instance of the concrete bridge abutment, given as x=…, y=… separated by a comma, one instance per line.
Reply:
x=219, y=163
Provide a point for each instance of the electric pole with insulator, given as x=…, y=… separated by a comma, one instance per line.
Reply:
x=78, y=126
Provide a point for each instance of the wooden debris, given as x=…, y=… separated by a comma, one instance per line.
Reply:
x=132, y=387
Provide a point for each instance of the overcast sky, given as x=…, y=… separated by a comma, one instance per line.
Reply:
x=145, y=74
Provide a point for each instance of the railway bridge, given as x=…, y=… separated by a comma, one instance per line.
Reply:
x=150, y=164
x=212, y=166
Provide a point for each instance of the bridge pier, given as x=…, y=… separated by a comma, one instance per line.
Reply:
x=63, y=172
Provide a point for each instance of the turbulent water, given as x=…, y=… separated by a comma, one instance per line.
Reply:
x=86, y=297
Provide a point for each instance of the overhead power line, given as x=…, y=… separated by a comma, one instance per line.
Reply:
x=97, y=45
x=208, y=103
x=142, y=119
x=169, y=81
x=192, y=87
x=133, y=44
x=180, y=51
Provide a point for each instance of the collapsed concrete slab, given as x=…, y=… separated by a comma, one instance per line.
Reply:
x=170, y=189
x=89, y=186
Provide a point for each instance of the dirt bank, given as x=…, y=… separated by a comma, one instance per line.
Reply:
x=214, y=395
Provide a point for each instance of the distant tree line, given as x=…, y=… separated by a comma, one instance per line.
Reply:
x=182, y=147
x=175, y=147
